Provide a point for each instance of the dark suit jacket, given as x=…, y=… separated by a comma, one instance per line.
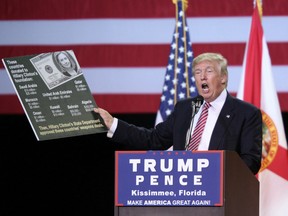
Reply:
x=238, y=128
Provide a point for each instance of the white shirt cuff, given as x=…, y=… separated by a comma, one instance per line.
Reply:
x=112, y=128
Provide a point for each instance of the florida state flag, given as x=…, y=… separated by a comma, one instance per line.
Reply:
x=257, y=87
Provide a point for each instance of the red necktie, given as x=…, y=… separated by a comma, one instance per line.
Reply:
x=197, y=134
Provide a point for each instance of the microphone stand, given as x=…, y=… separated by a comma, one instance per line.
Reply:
x=195, y=108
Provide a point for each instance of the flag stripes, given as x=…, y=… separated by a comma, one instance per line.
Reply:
x=148, y=55
x=116, y=39
x=79, y=9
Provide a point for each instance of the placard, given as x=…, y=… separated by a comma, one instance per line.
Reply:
x=169, y=178
x=54, y=94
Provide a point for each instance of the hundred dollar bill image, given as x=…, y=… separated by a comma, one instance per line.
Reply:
x=57, y=67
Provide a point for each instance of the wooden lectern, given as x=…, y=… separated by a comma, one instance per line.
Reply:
x=240, y=196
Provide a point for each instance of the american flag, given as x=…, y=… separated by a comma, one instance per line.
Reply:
x=122, y=46
x=178, y=82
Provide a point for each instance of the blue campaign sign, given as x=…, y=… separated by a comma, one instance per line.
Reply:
x=169, y=178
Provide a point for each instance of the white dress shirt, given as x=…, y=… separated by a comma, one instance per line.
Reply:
x=213, y=113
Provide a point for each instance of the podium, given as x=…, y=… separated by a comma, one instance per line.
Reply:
x=240, y=195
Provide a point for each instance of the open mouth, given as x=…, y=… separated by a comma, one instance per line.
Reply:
x=205, y=86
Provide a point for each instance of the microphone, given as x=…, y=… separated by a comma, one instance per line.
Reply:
x=196, y=104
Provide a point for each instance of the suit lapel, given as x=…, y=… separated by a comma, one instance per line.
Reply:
x=225, y=118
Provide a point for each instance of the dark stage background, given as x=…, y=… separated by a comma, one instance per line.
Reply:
x=69, y=176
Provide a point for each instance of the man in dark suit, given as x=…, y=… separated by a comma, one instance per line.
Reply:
x=232, y=124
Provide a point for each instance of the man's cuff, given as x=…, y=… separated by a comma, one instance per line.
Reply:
x=112, y=128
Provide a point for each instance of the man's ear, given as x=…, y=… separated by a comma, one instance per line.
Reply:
x=224, y=79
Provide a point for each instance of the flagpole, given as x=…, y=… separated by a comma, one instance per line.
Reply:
x=259, y=5
x=184, y=6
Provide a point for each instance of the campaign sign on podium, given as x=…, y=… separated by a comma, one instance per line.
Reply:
x=169, y=178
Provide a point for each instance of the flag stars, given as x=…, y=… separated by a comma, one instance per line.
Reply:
x=168, y=112
x=174, y=46
x=181, y=49
x=183, y=85
x=170, y=102
x=172, y=91
x=181, y=13
x=192, y=89
x=163, y=98
x=179, y=24
x=176, y=35
x=165, y=88
x=170, y=67
x=190, y=54
x=180, y=60
x=171, y=56
x=181, y=95
x=167, y=77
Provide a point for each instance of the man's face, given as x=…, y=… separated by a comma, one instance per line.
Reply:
x=209, y=80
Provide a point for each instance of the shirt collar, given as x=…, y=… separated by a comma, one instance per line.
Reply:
x=220, y=100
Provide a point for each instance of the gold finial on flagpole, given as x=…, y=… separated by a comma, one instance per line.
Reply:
x=259, y=5
x=185, y=2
